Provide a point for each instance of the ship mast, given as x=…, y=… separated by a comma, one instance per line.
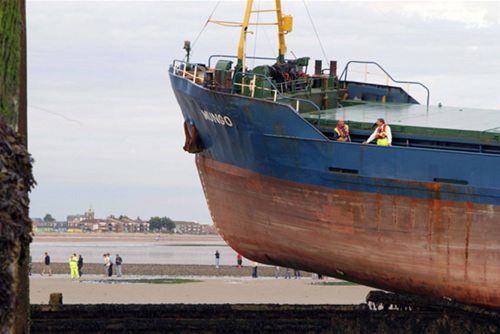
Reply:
x=243, y=37
x=281, y=33
x=284, y=26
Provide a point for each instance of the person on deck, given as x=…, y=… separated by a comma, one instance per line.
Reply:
x=382, y=133
x=341, y=131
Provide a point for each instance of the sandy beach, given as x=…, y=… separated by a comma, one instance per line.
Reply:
x=226, y=284
x=212, y=290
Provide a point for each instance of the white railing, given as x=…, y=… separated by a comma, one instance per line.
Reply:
x=197, y=74
x=252, y=86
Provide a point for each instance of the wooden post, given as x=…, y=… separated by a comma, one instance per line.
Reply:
x=56, y=298
x=21, y=302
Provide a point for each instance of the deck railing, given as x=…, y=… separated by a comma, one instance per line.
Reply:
x=199, y=75
x=236, y=57
x=346, y=70
x=195, y=72
x=275, y=92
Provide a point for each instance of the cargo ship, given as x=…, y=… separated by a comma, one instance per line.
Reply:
x=419, y=216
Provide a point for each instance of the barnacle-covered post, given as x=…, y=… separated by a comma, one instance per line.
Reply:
x=16, y=177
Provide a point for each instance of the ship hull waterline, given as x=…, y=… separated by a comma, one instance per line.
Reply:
x=420, y=246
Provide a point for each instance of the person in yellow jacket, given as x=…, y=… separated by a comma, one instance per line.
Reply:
x=73, y=265
x=382, y=133
x=341, y=131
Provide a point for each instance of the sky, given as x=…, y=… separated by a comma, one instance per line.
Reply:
x=104, y=127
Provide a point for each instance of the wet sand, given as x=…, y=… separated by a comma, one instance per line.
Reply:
x=212, y=290
x=113, y=237
x=226, y=284
x=171, y=270
x=135, y=248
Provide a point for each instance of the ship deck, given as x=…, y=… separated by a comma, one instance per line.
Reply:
x=455, y=122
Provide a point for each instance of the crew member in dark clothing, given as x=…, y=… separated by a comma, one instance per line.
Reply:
x=80, y=264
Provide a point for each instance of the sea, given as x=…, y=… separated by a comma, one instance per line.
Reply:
x=150, y=252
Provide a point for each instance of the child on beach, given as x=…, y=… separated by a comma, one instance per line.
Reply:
x=239, y=260
x=217, y=257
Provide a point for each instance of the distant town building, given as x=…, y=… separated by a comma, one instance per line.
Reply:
x=127, y=225
x=109, y=225
x=89, y=215
x=208, y=229
x=88, y=223
x=187, y=227
x=40, y=225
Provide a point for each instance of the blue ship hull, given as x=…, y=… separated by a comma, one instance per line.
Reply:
x=415, y=220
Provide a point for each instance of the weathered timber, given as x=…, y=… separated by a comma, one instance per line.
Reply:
x=56, y=298
x=16, y=180
x=252, y=318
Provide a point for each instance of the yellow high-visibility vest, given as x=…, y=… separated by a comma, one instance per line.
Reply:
x=73, y=262
x=341, y=135
x=382, y=136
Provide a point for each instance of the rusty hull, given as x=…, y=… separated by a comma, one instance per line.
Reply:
x=433, y=248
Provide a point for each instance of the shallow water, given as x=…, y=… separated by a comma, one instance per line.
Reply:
x=155, y=252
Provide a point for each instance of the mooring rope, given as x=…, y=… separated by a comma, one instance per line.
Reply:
x=315, y=32
x=202, y=29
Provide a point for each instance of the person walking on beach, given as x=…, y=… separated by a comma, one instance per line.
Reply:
x=73, y=266
x=277, y=272
x=296, y=273
x=217, y=258
x=118, y=263
x=80, y=264
x=239, y=260
x=287, y=273
x=110, y=258
x=46, y=261
x=254, y=269
x=106, y=265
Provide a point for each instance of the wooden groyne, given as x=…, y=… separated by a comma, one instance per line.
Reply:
x=255, y=318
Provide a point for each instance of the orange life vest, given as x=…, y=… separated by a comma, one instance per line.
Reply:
x=381, y=133
x=344, y=133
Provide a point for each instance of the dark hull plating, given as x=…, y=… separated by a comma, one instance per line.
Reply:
x=334, y=232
